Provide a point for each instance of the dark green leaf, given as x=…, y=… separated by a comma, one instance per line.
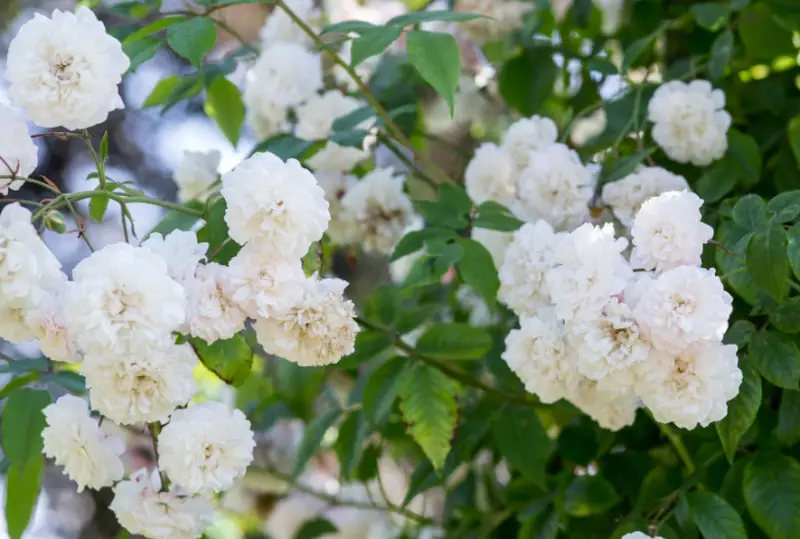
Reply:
x=349, y=139
x=231, y=359
x=192, y=39
x=527, y=80
x=785, y=206
x=494, y=216
x=357, y=27
x=381, y=306
x=788, y=429
x=350, y=443
x=786, y=316
x=313, y=438
x=477, y=269
x=429, y=408
x=373, y=41
x=764, y=39
x=721, y=54
x=540, y=526
x=22, y=425
x=381, y=390
x=742, y=410
x=175, y=220
x=627, y=165
x=793, y=250
x=739, y=333
x=22, y=491
x=794, y=138
x=578, y=444
x=767, y=262
x=719, y=179
x=224, y=105
x=772, y=493
x=711, y=15
x=750, y=213
x=71, y=381
x=744, y=150
x=522, y=440
x=141, y=50
x=602, y=66
x=715, y=517
x=285, y=146
x=776, y=357
x=437, y=59
x=318, y=527
x=589, y=495
x=155, y=26
x=454, y=341
x=353, y=119
x=637, y=48
x=368, y=345
x=415, y=240
x=417, y=17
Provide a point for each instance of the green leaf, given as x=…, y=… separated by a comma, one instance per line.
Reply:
x=744, y=150
x=715, y=517
x=718, y=180
x=454, y=341
x=141, y=50
x=637, y=48
x=18, y=382
x=527, y=80
x=477, y=269
x=750, y=213
x=721, y=54
x=22, y=425
x=772, y=492
x=285, y=146
x=71, y=381
x=381, y=390
x=602, y=66
x=437, y=59
x=785, y=206
x=230, y=359
x=788, y=429
x=224, y=104
x=764, y=39
x=429, y=407
x=494, y=216
x=345, y=27
x=711, y=15
x=369, y=344
x=776, y=357
x=373, y=41
x=742, y=410
x=98, y=206
x=786, y=316
x=794, y=138
x=162, y=90
x=578, y=444
x=215, y=232
x=589, y=495
x=739, y=333
x=353, y=119
x=192, y=39
x=522, y=440
x=627, y=165
x=793, y=250
x=175, y=220
x=318, y=527
x=22, y=491
x=417, y=17
x=350, y=443
x=149, y=29
x=313, y=438
x=767, y=262
x=540, y=526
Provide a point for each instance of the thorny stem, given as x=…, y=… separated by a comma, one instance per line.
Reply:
x=155, y=431
x=453, y=372
x=391, y=126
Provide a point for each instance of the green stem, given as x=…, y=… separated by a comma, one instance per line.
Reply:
x=676, y=442
x=101, y=166
x=73, y=197
x=391, y=126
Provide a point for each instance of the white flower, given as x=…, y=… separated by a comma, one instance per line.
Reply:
x=144, y=387
x=639, y=535
x=364, y=70
x=264, y=116
x=491, y=175
x=690, y=123
x=692, y=388
x=315, y=120
x=211, y=313
x=281, y=28
x=16, y=149
x=527, y=260
x=538, y=354
x=290, y=513
x=65, y=70
x=180, y=250
x=627, y=195
x=286, y=74
x=667, y=232
x=278, y=204
x=683, y=306
x=263, y=282
x=196, y=173
x=341, y=228
x=319, y=329
x=612, y=409
x=46, y=320
x=555, y=187
x=122, y=299
x=527, y=135
x=142, y=509
x=206, y=446
x=73, y=438
x=380, y=209
x=589, y=269
x=495, y=241
x=609, y=344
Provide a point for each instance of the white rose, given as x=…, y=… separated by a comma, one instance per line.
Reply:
x=196, y=174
